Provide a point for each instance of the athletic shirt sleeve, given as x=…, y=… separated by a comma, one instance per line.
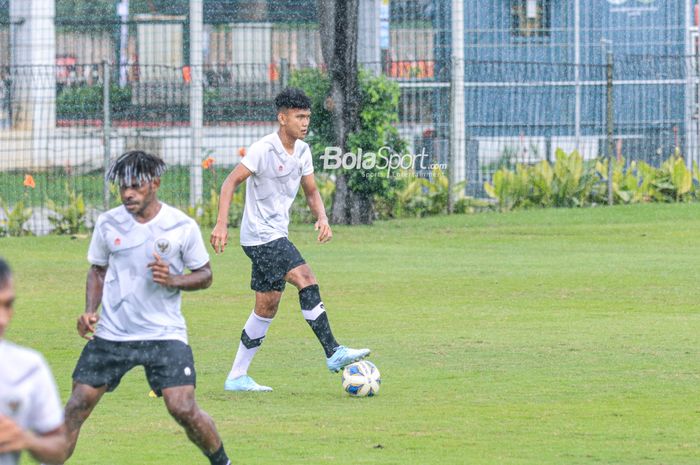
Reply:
x=194, y=252
x=47, y=413
x=253, y=157
x=98, y=253
x=307, y=164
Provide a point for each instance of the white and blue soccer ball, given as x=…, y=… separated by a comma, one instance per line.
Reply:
x=361, y=379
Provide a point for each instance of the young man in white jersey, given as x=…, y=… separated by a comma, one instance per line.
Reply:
x=31, y=417
x=274, y=167
x=138, y=255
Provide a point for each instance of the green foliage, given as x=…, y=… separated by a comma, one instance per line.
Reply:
x=16, y=218
x=70, y=218
x=207, y=212
x=572, y=183
x=418, y=197
x=317, y=86
x=378, y=118
x=78, y=102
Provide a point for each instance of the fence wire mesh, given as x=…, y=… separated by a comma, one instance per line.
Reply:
x=58, y=122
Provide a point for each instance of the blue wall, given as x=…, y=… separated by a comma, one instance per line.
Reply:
x=641, y=32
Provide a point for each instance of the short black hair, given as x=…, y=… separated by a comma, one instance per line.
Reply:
x=292, y=97
x=5, y=272
x=135, y=165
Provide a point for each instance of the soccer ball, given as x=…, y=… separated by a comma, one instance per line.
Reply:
x=361, y=379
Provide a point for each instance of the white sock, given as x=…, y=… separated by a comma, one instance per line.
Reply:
x=252, y=336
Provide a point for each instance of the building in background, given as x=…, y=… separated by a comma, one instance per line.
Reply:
x=535, y=77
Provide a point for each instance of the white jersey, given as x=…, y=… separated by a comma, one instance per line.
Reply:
x=134, y=307
x=28, y=394
x=272, y=188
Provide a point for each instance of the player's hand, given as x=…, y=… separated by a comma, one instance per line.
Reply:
x=324, y=230
x=12, y=437
x=86, y=324
x=161, y=271
x=219, y=238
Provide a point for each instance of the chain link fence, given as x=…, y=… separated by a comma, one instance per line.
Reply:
x=118, y=85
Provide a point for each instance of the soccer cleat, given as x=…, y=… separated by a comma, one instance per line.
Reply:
x=344, y=356
x=244, y=383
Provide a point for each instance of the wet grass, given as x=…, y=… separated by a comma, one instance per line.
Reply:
x=542, y=337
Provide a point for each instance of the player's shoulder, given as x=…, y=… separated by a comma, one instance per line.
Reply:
x=172, y=217
x=302, y=147
x=264, y=144
x=25, y=360
x=117, y=215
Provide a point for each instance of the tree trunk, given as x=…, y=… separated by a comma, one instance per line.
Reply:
x=338, y=26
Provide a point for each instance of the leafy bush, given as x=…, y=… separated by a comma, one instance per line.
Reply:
x=16, y=219
x=571, y=182
x=78, y=102
x=68, y=219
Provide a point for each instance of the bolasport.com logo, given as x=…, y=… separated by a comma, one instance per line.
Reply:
x=383, y=162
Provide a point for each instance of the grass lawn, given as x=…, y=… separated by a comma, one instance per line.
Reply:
x=541, y=337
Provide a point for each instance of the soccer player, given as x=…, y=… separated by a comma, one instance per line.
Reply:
x=274, y=167
x=138, y=255
x=31, y=418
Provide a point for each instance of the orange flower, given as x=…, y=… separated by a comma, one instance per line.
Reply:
x=241, y=152
x=29, y=181
x=206, y=164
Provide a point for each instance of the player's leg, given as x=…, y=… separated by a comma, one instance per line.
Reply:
x=82, y=401
x=99, y=369
x=198, y=425
x=252, y=336
x=267, y=280
x=170, y=371
x=314, y=312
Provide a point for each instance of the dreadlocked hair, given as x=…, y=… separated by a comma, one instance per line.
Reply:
x=135, y=166
x=5, y=272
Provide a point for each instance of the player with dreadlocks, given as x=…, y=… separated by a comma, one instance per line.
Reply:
x=138, y=255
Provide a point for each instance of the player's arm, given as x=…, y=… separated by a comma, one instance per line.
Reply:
x=219, y=236
x=93, y=296
x=49, y=448
x=313, y=198
x=200, y=278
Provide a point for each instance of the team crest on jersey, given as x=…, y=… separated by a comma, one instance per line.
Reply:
x=117, y=242
x=14, y=406
x=163, y=246
x=280, y=168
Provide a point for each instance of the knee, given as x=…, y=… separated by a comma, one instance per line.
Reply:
x=305, y=279
x=182, y=409
x=78, y=408
x=267, y=310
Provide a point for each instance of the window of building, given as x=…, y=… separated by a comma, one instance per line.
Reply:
x=531, y=18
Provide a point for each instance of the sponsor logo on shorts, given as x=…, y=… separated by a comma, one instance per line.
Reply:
x=188, y=371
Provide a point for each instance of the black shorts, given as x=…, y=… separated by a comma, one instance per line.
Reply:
x=271, y=262
x=167, y=363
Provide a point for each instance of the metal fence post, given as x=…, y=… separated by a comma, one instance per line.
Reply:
x=458, y=149
x=106, y=130
x=196, y=101
x=610, y=123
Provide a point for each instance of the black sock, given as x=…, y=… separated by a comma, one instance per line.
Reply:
x=219, y=457
x=315, y=315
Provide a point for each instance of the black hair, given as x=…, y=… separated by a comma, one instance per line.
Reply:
x=135, y=166
x=5, y=272
x=292, y=97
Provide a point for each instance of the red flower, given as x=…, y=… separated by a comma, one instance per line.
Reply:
x=29, y=181
x=207, y=163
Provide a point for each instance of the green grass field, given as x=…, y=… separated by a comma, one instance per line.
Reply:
x=540, y=337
